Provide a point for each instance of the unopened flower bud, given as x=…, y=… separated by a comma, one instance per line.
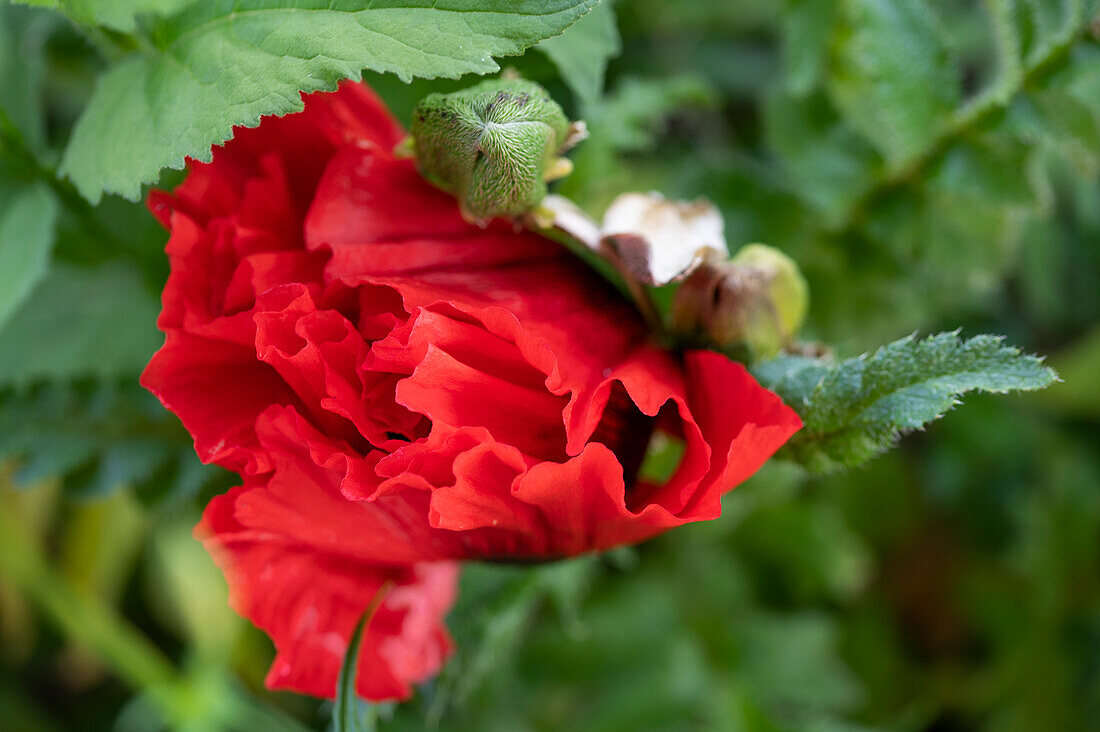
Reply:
x=756, y=302
x=494, y=146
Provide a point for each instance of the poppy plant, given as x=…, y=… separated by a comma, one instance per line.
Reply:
x=400, y=389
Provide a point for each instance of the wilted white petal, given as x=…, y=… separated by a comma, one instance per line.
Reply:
x=658, y=240
x=563, y=214
x=578, y=132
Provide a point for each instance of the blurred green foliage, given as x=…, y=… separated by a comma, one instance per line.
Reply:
x=930, y=165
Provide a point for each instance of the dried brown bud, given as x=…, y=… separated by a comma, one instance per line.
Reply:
x=757, y=302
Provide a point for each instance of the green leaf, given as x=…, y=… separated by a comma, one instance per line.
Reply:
x=1083, y=76
x=1004, y=16
x=989, y=168
x=627, y=120
x=806, y=27
x=1078, y=364
x=119, y=14
x=27, y=218
x=1057, y=118
x=894, y=78
x=23, y=34
x=97, y=438
x=793, y=661
x=829, y=166
x=221, y=64
x=858, y=408
x=1052, y=23
x=496, y=608
x=582, y=53
x=347, y=712
x=96, y=322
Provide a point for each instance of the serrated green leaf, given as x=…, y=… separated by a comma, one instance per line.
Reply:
x=793, y=378
x=27, y=218
x=582, y=53
x=1005, y=18
x=858, y=408
x=222, y=64
x=96, y=322
x=894, y=77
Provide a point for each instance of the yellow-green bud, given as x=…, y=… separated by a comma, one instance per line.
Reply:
x=494, y=146
x=787, y=288
x=755, y=302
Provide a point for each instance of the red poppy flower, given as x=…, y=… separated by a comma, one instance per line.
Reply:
x=399, y=389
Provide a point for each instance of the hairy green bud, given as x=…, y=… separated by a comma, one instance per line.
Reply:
x=494, y=146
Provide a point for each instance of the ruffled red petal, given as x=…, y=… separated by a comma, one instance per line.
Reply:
x=309, y=601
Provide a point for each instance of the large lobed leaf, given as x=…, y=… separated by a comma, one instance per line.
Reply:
x=221, y=64
x=858, y=408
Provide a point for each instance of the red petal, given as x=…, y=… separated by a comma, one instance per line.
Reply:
x=217, y=389
x=744, y=423
x=309, y=600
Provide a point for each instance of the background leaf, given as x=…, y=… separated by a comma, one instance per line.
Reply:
x=81, y=322
x=98, y=438
x=27, y=219
x=894, y=75
x=948, y=584
x=582, y=53
x=119, y=14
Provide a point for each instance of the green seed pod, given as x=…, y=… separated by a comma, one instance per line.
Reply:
x=494, y=146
